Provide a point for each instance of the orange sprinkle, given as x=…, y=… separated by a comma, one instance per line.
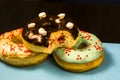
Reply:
x=26, y=51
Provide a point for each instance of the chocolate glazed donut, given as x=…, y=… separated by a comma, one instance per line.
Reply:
x=45, y=33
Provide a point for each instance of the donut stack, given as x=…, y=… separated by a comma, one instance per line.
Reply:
x=74, y=50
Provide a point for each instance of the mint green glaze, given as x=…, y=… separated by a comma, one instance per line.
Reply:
x=93, y=50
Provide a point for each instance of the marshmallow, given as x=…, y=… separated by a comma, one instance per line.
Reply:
x=42, y=15
x=69, y=25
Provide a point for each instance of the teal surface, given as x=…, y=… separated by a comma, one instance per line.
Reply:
x=48, y=70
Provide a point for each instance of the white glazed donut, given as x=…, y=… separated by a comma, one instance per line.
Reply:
x=13, y=51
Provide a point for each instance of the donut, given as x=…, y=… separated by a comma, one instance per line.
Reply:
x=86, y=55
x=14, y=52
x=47, y=32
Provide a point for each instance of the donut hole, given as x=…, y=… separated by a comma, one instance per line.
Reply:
x=82, y=45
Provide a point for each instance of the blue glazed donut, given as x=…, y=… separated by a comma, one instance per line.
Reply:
x=78, y=59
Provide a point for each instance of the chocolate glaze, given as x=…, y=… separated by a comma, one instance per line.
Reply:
x=50, y=26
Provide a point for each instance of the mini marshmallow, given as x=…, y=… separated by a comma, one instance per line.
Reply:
x=42, y=31
x=51, y=18
x=42, y=15
x=69, y=25
x=61, y=15
x=57, y=21
x=31, y=25
x=38, y=37
x=30, y=35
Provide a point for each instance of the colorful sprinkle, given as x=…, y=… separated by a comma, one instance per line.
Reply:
x=2, y=51
x=79, y=58
x=68, y=54
x=89, y=49
x=20, y=46
x=78, y=55
x=81, y=50
x=3, y=44
x=97, y=47
x=26, y=51
x=12, y=48
x=86, y=55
